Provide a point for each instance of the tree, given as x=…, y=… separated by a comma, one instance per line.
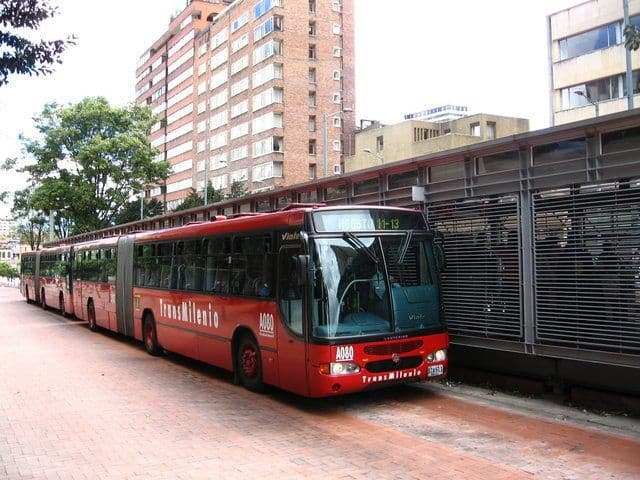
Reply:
x=195, y=200
x=8, y=271
x=20, y=55
x=238, y=189
x=632, y=37
x=131, y=211
x=89, y=160
x=32, y=225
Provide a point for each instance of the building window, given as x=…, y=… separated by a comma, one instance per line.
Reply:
x=336, y=29
x=240, y=21
x=312, y=6
x=312, y=146
x=312, y=99
x=312, y=123
x=491, y=130
x=312, y=75
x=312, y=29
x=336, y=97
x=337, y=122
x=591, y=92
x=590, y=41
x=312, y=52
x=336, y=75
x=337, y=51
x=498, y=162
x=474, y=130
x=337, y=146
x=380, y=143
x=312, y=172
x=278, y=23
x=559, y=151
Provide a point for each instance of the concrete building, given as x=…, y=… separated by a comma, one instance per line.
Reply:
x=259, y=92
x=382, y=144
x=588, y=60
x=7, y=228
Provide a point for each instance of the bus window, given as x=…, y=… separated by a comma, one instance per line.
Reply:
x=163, y=264
x=193, y=265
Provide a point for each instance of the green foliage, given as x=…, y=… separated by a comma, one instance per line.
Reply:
x=238, y=189
x=632, y=37
x=131, y=211
x=88, y=161
x=21, y=55
x=8, y=271
x=32, y=225
x=195, y=200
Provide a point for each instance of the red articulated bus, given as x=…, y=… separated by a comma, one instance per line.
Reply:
x=46, y=278
x=315, y=300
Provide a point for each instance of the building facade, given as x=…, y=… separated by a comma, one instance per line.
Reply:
x=382, y=144
x=257, y=92
x=588, y=60
x=443, y=113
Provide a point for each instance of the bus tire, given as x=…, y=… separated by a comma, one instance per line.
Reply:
x=91, y=316
x=249, y=364
x=63, y=312
x=150, y=336
x=43, y=299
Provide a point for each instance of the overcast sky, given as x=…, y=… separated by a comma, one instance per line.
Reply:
x=490, y=56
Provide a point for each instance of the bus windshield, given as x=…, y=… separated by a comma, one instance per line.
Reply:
x=372, y=285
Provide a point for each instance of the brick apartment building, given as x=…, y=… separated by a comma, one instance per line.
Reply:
x=253, y=91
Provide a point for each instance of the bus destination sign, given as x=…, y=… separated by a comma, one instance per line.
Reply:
x=367, y=220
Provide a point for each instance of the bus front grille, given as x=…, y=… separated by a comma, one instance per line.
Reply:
x=389, y=365
x=390, y=349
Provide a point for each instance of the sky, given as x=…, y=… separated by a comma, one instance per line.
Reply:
x=490, y=56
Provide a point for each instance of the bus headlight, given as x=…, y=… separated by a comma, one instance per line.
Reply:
x=437, y=356
x=339, y=368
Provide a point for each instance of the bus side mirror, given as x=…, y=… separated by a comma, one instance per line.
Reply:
x=302, y=269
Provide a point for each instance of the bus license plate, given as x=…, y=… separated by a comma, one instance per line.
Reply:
x=435, y=370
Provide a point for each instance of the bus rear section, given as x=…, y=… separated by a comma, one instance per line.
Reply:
x=53, y=279
x=28, y=276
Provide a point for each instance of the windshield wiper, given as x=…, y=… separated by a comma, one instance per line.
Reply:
x=404, y=246
x=356, y=242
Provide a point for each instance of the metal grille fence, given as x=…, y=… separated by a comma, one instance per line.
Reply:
x=587, y=267
x=481, y=284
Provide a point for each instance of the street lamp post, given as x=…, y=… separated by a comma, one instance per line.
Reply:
x=206, y=182
x=325, y=140
x=376, y=155
x=587, y=97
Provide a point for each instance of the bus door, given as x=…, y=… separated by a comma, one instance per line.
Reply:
x=292, y=347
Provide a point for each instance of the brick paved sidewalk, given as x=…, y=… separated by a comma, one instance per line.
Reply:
x=76, y=404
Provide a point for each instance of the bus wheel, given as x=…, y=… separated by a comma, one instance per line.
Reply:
x=61, y=301
x=91, y=317
x=43, y=299
x=150, y=336
x=249, y=364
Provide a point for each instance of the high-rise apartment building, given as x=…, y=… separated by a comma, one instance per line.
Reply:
x=253, y=91
x=588, y=61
